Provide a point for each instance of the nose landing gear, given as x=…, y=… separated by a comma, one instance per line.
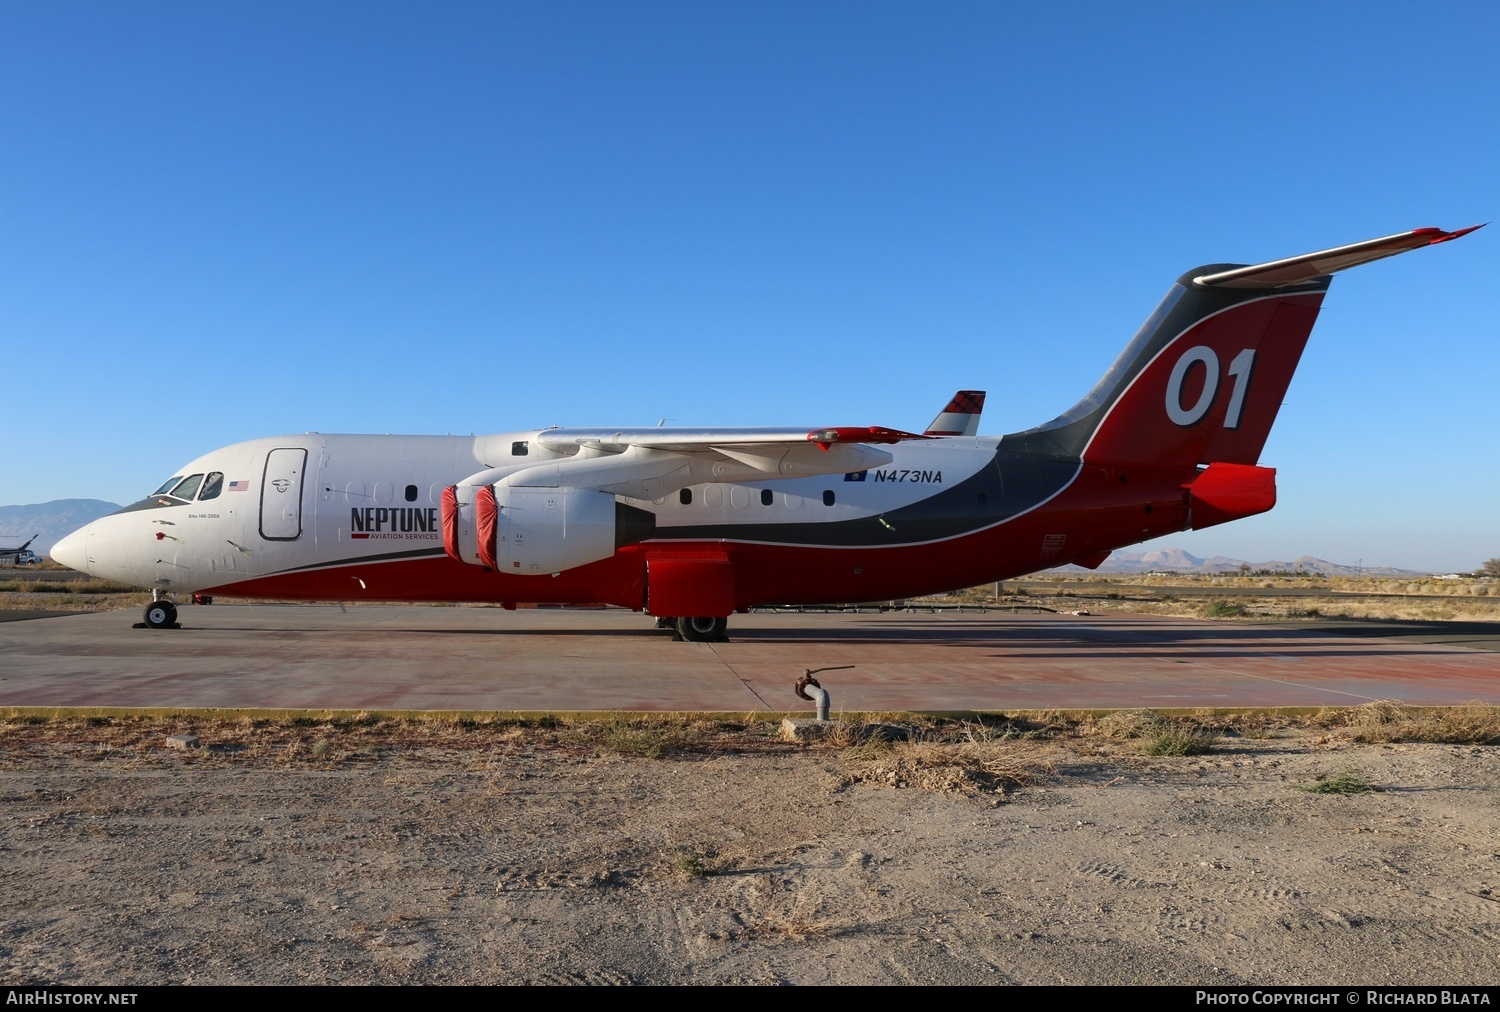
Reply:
x=161, y=614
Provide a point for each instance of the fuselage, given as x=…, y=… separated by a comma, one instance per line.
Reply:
x=694, y=524
x=357, y=517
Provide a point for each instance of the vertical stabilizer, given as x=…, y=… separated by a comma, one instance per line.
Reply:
x=960, y=417
x=1204, y=378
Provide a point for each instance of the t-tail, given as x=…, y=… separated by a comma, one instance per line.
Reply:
x=1202, y=381
x=1197, y=390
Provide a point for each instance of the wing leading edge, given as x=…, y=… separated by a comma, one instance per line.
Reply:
x=646, y=463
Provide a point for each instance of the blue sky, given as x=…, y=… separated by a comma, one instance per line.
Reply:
x=221, y=221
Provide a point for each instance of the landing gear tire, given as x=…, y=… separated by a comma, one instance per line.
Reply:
x=702, y=629
x=161, y=615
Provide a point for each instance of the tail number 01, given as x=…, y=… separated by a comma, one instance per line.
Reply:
x=1239, y=370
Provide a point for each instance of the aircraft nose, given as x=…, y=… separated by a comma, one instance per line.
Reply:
x=72, y=551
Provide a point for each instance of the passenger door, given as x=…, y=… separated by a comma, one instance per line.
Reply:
x=281, y=494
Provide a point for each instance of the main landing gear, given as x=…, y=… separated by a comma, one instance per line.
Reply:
x=702, y=629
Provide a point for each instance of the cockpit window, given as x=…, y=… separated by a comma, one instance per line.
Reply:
x=212, y=486
x=188, y=488
x=166, y=485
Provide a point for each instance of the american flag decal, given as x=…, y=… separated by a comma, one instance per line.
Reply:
x=239, y=486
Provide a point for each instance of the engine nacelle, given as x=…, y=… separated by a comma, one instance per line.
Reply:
x=538, y=531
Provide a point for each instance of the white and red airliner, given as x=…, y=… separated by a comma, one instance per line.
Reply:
x=693, y=525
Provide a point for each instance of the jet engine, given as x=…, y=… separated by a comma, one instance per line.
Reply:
x=559, y=509
x=538, y=531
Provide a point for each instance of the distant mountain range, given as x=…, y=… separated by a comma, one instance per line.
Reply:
x=52, y=521
x=49, y=521
x=1174, y=560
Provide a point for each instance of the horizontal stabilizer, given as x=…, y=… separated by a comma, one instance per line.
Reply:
x=1295, y=270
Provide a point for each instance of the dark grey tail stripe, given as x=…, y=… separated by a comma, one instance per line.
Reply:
x=1010, y=485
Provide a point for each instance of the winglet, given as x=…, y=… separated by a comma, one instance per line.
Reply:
x=1295, y=270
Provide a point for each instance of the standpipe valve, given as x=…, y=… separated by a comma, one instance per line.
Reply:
x=819, y=695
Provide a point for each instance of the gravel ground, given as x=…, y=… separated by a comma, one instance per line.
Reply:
x=310, y=855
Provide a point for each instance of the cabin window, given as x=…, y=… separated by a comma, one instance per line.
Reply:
x=685, y=497
x=189, y=486
x=520, y=448
x=828, y=497
x=212, y=486
x=411, y=493
x=765, y=497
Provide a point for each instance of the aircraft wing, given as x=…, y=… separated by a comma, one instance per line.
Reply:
x=1295, y=270
x=649, y=462
x=698, y=440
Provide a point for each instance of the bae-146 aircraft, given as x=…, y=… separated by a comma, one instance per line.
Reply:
x=692, y=525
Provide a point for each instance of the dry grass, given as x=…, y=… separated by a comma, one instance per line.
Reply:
x=85, y=601
x=800, y=920
x=1158, y=735
x=989, y=756
x=658, y=736
x=1258, y=725
x=52, y=588
x=361, y=737
x=42, y=585
x=1392, y=721
x=1231, y=596
x=1179, y=740
x=1292, y=609
x=1130, y=724
x=968, y=757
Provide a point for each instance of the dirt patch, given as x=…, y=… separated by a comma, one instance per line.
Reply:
x=374, y=850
